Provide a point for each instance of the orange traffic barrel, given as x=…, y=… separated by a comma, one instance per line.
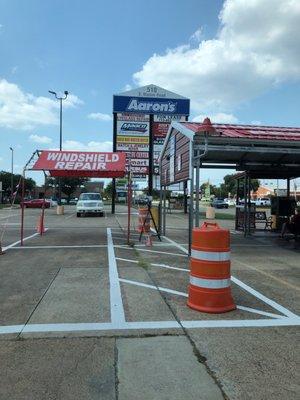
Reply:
x=143, y=220
x=209, y=289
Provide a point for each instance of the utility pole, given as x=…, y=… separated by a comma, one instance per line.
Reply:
x=60, y=98
x=12, y=175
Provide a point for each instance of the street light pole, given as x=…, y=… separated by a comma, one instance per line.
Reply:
x=60, y=98
x=12, y=174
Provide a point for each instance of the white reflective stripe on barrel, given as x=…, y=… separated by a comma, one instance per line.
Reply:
x=210, y=283
x=210, y=255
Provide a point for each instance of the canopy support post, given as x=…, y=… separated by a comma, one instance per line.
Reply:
x=22, y=208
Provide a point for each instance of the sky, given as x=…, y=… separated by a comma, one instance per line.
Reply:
x=237, y=60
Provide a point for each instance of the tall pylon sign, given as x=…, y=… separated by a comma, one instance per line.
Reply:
x=141, y=121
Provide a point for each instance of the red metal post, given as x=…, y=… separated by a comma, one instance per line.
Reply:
x=129, y=207
x=22, y=208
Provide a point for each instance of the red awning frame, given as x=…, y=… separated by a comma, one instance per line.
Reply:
x=97, y=160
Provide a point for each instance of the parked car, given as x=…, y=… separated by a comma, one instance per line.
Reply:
x=53, y=202
x=141, y=200
x=73, y=201
x=90, y=203
x=35, y=203
x=230, y=202
x=219, y=203
x=263, y=201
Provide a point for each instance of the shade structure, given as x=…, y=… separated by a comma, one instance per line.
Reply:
x=81, y=164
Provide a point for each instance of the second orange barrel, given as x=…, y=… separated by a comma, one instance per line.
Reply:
x=209, y=289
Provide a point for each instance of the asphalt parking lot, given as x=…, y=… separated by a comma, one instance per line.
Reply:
x=83, y=315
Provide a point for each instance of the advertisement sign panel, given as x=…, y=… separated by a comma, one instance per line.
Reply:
x=133, y=117
x=169, y=118
x=133, y=147
x=125, y=128
x=151, y=105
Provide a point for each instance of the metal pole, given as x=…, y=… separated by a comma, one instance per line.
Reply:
x=197, y=213
x=12, y=174
x=249, y=204
x=185, y=188
x=245, y=203
x=191, y=208
x=164, y=212
x=237, y=209
x=22, y=208
x=129, y=207
x=113, y=198
x=60, y=148
x=150, y=176
x=160, y=209
x=288, y=187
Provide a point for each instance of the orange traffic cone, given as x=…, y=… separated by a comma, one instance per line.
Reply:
x=209, y=289
x=40, y=225
x=148, y=240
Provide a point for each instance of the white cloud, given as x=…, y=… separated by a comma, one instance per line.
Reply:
x=219, y=118
x=24, y=111
x=197, y=36
x=40, y=139
x=257, y=48
x=90, y=146
x=100, y=117
x=126, y=88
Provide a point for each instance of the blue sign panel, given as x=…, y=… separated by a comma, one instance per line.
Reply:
x=148, y=105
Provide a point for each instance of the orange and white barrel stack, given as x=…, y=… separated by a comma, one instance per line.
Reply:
x=209, y=289
x=144, y=221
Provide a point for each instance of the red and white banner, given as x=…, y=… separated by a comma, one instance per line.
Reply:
x=77, y=163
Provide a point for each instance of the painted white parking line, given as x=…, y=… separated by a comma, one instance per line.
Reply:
x=9, y=216
x=4, y=330
x=176, y=244
x=263, y=298
x=245, y=323
x=153, y=264
x=242, y=308
x=60, y=247
x=255, y=311
x=197, y=324
x=116, y=303
x=70, y=216
x=69, y=327
x=19, y=241
x=151, y=251
x=153, y=287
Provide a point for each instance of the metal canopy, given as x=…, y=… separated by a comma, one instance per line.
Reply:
x=264, y=152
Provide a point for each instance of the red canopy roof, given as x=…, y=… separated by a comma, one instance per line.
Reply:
x=255, y=132
x=81, y=164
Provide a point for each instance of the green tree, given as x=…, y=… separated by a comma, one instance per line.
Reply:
x=108, y=190
x=230, y=184
x=68, y=185
x=5, y=178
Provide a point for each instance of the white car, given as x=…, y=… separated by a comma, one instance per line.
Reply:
x=263, y=201
x=53, y=203
x=90, y=203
